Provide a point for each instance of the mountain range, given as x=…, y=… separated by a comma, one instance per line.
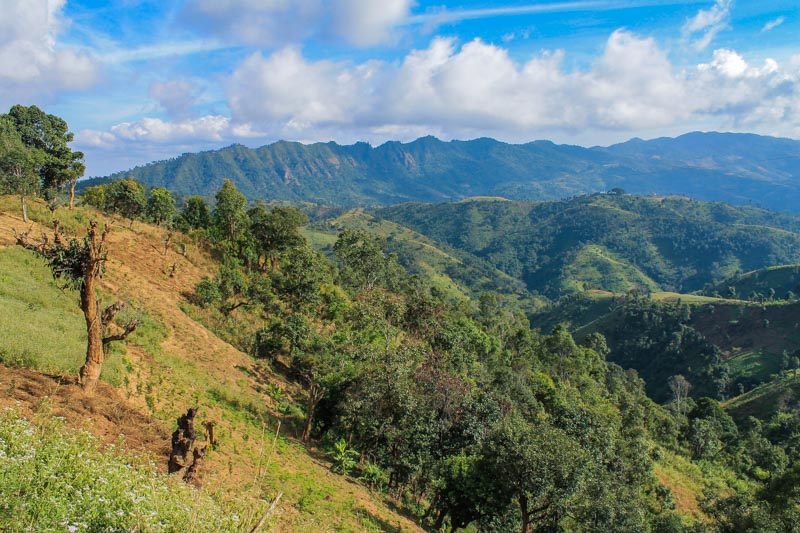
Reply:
x=734, y=168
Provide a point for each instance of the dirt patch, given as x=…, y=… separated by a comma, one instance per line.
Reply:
x=685, y=498
x=105, y=415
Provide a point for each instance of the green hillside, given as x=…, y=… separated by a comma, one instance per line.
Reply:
x=456, y=273
x=610, y=241
x=772, y=283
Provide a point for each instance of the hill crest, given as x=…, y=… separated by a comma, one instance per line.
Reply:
x=731, y=167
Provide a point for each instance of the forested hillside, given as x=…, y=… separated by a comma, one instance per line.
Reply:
x=734, y=168
x=388, y=370
x=610, y=241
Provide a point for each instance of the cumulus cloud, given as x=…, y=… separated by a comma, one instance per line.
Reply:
x=295, y=91
x=772, y=24
x=210, y=128
x=704, y=26
x=277, y=23
x=474, y=89
x=32, y=65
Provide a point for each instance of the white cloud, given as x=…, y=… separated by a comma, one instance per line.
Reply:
x=708, y=23
x=32, y=64
x=155, y=131
x=477, y=89
x=285, y=88
x=276, y=23
x=772, y=24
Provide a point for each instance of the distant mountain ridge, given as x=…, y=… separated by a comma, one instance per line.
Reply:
x=735, y=168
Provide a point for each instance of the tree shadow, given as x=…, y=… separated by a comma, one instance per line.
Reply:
x=374, y=520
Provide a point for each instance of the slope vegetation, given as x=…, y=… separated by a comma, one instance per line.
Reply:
x=172, y=363
x=609, y=242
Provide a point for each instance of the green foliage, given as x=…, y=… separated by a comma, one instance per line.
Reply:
x=34, y=151
x=364, y=265
x=639, y=242
x=343, y=458
x=658, y=341
x=55, y=479
x=161, y=206
x=230, y=218
x=194, y=215
x=95, y=196
x=126, y=197
x=767, y=284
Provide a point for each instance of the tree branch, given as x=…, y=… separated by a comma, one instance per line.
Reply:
x=130, y=327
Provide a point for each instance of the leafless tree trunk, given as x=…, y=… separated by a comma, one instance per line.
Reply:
x=315, y=394
x=72, y=184
x=680, y=387
x=81, y=265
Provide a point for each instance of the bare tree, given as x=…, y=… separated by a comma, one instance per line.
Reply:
x=680, y=388
x=80, y=264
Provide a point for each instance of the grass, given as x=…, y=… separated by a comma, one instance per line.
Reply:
x=42, y=326
x=595, y=267
x=757, y=365
x=55, y=479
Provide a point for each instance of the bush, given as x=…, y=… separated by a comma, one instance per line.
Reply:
x=207, y=292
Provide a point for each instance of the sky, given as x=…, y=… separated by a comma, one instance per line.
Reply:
x=142, y=80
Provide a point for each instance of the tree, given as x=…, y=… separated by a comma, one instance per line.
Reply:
x=680, y=387
x=230, y=217
x=126, y=197
x=536, y=465
x=364, y=265
x=161, y=206
x=49, y=135
x=322, y=367
x=95, y=196
x=195, y=214
x=79, y=264
x=277, y=230
x=18, y=165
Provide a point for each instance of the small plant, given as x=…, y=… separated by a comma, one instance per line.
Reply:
x=275, y=392
x=344, y=457
x=374, y=477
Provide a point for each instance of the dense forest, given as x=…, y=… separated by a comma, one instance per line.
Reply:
x=707, y=166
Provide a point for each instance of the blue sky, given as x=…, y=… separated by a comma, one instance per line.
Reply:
x=141, y=80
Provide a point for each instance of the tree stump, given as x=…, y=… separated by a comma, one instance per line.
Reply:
x=182, y=441
x=198, y=454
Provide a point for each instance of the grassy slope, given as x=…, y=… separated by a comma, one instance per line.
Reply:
x=597, y=268
x=781, y=279
x=448, y=269
x=175, y=363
